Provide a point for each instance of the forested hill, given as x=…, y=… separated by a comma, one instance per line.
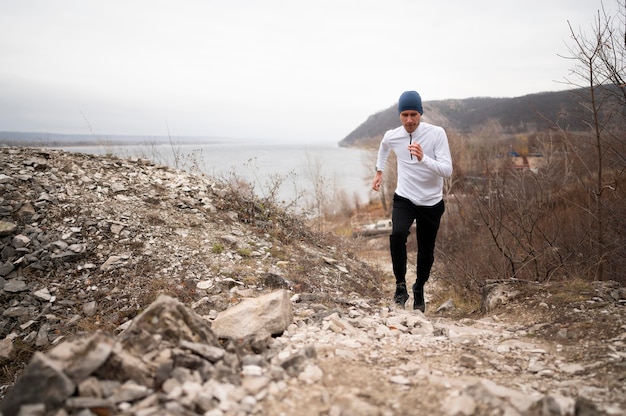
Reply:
x=528, y=113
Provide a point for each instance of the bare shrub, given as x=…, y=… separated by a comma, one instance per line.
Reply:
x=599, y=73
x=566, y=217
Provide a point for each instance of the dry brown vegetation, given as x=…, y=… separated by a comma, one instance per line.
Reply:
x=503, y=222
x=540, y=202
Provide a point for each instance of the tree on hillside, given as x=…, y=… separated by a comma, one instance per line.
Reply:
x=564, y=216
x=599, y=72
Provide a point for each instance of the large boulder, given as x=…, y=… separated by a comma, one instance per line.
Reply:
x=256, y=318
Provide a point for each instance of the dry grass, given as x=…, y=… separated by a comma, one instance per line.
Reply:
x=573, y=291
x=23, y=354
x=466, y=303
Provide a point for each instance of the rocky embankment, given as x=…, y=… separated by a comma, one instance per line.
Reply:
x=132, y=288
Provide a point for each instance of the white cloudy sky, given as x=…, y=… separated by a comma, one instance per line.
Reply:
x=272, y=69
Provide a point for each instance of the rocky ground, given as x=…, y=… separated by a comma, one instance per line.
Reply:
x=87, y=244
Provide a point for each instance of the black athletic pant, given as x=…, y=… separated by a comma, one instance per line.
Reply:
x=427, y=221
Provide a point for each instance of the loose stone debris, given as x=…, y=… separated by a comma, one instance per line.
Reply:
x=87, y=241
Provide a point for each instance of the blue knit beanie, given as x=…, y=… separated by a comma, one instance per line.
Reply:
x=410, y=100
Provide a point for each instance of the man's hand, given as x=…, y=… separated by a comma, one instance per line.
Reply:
x=416, y=150
x=378, y=180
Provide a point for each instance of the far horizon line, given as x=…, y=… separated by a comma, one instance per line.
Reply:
x=90, y=139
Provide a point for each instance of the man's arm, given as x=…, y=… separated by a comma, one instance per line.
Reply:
x=378, y=180
x=442, y=163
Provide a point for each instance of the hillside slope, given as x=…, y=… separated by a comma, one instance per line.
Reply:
x=515, y=115
x=88, y=242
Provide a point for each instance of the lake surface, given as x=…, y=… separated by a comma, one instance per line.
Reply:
x=305, y=173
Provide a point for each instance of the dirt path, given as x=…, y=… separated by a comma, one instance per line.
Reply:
x=529, y=355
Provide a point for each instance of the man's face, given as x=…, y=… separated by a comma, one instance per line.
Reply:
x=410, y=120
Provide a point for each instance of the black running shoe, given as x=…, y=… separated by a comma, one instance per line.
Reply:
x=418, y=298
x=401, y=295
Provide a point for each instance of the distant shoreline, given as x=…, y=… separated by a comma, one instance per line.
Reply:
x=61, y=140
x=34, y=139
x=108, y=143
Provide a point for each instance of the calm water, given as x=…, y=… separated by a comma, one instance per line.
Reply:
x=300, y=169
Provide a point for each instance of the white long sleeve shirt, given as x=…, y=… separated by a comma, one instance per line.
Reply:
x=419, y=181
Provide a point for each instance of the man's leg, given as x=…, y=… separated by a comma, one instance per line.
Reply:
x=428, y=221
x=402, y=217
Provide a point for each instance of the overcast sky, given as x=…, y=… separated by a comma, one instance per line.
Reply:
x=272, y=69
